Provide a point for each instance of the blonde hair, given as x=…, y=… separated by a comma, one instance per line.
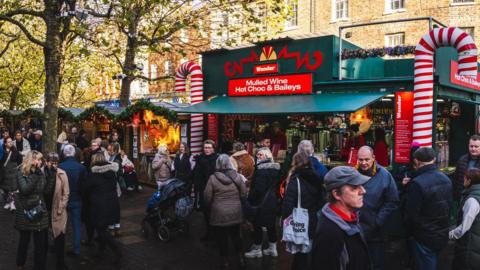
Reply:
x=266, y=152
x=163, y=150
x=29, y=161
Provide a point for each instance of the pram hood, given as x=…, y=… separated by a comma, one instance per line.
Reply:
x=174, y=187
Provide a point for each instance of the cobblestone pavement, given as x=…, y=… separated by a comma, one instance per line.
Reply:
x=183, y=252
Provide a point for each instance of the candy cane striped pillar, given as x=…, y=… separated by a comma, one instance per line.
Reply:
x=196, y=95
x=423, y=83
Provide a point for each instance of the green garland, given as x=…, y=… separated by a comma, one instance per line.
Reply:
x=66, y=115
x=143, y=104
x=95, y=111
x=31, y=113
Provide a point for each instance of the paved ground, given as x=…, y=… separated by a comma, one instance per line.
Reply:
x=183, y=252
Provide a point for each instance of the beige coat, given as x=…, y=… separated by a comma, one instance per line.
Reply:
x=222, y=195
x=59, y=204
x=161, y=165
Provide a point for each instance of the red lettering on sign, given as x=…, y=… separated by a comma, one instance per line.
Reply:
x=272, y=85
x=265, y=69
x=403, y=126
x=466, y=81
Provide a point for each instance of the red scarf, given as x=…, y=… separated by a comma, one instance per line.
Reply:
x=344, y=216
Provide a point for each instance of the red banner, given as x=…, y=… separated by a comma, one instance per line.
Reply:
x=466, y=81
x=294, y=84
x=212, y=123
x=265, y=69
x=403, y=126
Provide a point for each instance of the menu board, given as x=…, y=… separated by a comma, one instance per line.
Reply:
x=403, y=126
x=213, y=127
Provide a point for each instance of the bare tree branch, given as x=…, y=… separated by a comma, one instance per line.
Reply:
x=24, y=30
x=168, y=77
x=7, y=46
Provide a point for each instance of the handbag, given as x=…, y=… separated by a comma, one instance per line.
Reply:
x=36, y=213
x=295, y=228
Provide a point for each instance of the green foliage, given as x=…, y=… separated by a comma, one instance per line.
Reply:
x=142, y=105
x=95, y=112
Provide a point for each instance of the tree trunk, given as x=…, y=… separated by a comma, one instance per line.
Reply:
x=129, y=64
x=53, y=54
x=13, y=98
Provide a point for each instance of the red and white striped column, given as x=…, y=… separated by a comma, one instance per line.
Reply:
x=196, y=95
x=423, y=82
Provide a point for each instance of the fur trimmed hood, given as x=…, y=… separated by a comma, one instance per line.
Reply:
x=268, y=165
x=105, y=168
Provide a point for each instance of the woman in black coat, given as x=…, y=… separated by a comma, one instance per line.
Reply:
x=8, y=172
x=182, y=166
x=100, y=189
x=312, y=198
x=263, y=194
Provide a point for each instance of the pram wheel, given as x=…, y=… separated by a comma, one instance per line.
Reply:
x=163, y=233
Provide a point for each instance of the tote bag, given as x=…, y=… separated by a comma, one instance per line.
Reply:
x=295, y=227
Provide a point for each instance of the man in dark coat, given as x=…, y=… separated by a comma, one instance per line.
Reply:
x=380, y=200
x=467, y=161
x=76, y=175
x=204, y=168
x=427, y=210
x=36, y=143
x=338, y=243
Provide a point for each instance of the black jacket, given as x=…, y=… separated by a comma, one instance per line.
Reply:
x=427, y=210
x=311, y=193
x=8, y=170
x=338, y=244
x=183, y=168
x=264, y=188
x=204, y=168
x=100, y=188
x=462, y=167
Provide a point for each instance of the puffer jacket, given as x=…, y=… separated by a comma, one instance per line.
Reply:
x=222, y=196
x=264, y=190
x=161, y=165
x=460, y=170
x=311, y=192
x=32, y=189
x=9, y=170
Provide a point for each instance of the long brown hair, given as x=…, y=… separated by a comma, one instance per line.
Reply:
x=474, y=176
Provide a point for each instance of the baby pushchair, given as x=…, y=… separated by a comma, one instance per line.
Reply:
x=167, y=211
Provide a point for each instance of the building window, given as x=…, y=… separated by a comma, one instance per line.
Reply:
x=469, y=30
x=340, y=9
x=394, y=5
x=153, y=71
x=167, y=67
x=463, y=1
x=392, y=40
x=292, y=20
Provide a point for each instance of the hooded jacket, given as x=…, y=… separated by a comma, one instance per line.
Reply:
x=311, y=193
x=161, y=165
x=223, y=194
x=338, y=244
x=243, y=163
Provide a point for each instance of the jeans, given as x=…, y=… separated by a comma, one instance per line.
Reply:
x=40, y=239
x=258, y=235
x=376, y=251
x=425, y=258
x=75, y=215
x=223, y=233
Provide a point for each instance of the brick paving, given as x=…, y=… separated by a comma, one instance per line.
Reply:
x=183, y=252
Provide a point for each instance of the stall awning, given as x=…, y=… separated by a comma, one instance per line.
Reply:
x=316, y=103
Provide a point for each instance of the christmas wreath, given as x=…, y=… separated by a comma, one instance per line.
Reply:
x=378, y=52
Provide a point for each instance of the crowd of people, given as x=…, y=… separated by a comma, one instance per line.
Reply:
x=80, y=183
x=341, y=213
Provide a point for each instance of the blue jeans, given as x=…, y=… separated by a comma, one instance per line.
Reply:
x=376, y=251
x=425, y=258
x=75, y=213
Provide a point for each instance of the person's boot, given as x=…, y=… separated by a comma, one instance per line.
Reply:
x=271, y=250
x=7, y=206
x=12, y=206
x=254, y=252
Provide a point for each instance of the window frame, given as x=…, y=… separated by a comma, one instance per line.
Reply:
x=394, y=35
x=345, y=15
x=389, y=6
x=294, y=15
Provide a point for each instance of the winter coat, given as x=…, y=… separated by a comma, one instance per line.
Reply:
x=222, y=196
x=88, y=157
x=338, y=244
x=467, y=248
x=427, y=210
x=100, y=188
x=76, y=174
x=23, y=147
x=9, y=170
x=183, y=167
x=32, y=189
x=380, y=200
x=161, y=165
x=204, y=168
x=311, y=193
x=243, y=163
x=462, y=168
x=320, y=169
x=59, y=203
x=36, y=145
x=263, y=189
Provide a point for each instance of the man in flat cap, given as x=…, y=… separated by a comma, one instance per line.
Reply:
x=427, y=210
x=338, y=242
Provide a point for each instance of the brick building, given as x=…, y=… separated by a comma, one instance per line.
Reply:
x=325, y=16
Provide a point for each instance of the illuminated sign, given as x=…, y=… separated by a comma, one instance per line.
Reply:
x=294, y=84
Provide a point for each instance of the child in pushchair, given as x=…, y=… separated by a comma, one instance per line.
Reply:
x=167, y=210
